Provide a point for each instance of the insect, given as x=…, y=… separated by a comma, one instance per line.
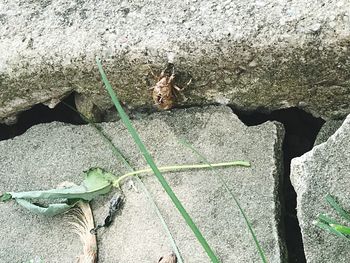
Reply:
x=164, y=91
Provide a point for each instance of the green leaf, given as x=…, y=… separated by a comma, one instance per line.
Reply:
x=5, y=197
x=155, y=169
x=96, y=182
x=50, y=210
x=342, y=229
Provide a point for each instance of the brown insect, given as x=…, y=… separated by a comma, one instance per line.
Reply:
x=164, y=91
x=168, y=259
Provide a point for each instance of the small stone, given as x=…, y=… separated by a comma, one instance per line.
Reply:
x=252, y=64
x=315, y=27
x=228, y=81
x=332, y=24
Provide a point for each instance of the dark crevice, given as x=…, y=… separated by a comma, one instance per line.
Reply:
x=41, y=114
x=301, y=130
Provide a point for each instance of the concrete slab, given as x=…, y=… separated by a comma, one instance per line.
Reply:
x=327, y=130
x=324, y=170
x=51, y=153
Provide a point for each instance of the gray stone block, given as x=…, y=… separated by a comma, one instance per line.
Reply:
x=263, y=55
x=48, y=154
x=323, y=170
x=327, y=130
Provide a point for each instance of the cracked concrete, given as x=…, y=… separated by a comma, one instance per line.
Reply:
x=48, y=154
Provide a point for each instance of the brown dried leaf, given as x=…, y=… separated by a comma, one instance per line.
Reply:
x=81, y=218
x=168, y=259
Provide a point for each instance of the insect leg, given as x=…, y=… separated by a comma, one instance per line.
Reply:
x=152, y=71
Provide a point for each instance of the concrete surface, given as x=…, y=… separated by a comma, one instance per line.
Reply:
x=323, y=170
x=327, y=130
x=255, y=54
x=51, y=153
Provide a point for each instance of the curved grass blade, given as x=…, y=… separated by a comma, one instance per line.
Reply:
x=327, y=220
x=155, y=169
x=162, y=220
x=249, y=225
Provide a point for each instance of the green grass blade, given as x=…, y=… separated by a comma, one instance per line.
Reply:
x=327, y=220
x=328, y=228
x=155, y=169
x=345, y=230
x=333, y=203
x=123, y=159
x=249, y=225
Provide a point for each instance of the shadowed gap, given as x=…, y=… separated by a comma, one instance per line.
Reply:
x=301, y=129
x=41, y=114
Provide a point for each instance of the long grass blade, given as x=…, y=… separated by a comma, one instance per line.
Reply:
x=155, y=169
x=326, y=219
x=333, y=203
x=123, y=159
x=328, y=228
x=249, y=225
x=345, y=230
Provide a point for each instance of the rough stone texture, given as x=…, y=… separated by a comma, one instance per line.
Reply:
x=49, y=154
x=327, y=130
x=325, y=169
x=253, y=54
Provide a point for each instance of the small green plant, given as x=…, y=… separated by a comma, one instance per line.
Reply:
x=331, y=225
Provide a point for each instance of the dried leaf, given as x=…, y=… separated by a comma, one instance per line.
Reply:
x=96, y=182
x=168, y=259
x=81, y=218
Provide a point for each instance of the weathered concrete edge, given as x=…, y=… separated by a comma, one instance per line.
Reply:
x=279, y=173
x=232, y=78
